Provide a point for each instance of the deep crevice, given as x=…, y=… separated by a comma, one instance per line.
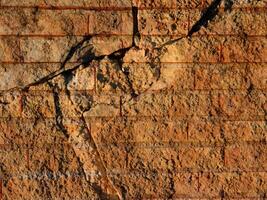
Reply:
x=135, y=24
x=206, y=16
x=74, y=49
x=58, y=111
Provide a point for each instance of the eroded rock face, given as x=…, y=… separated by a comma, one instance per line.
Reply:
x=133, y=100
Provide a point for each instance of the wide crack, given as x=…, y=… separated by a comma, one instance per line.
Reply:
x=208, y=15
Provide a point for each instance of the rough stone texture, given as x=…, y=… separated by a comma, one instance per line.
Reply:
x=133, y=99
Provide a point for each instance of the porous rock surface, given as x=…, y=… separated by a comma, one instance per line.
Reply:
x=133, y=99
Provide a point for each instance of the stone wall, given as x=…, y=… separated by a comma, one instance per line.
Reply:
x=133, y=99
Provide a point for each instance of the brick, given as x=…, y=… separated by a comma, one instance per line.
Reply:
x=197, y=49
x=204, y=130
x=175, y=76
x=257, y=74
x=38, y=105
x=180, y=104
x=69, y=3
x=239, y=4
x=189, y=4
x=246, y=157
x=238, y=105
x=21, y=75
x=186, y=185
x=10, y=104
x=32, y=185
x=19, y=131
x=144, y=107
x=13, y=159
x=117, y=22
x=31, y=21
x=51, y=155
x=210, y=184
x=155, y=22
x=230, y=76
x=245, y=185
x=150, y=4
x=139, y=130
x=239, y=131
x=251, y=49
x=248, y=22
x=35, y=49
x=250, y=4
x=199, y=159
x=166, y=157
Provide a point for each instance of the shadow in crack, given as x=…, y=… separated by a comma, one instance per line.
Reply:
x=208, y=15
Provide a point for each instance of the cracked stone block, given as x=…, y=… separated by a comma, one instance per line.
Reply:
x=20, y=75
x=115, y=43
x=83, y=79
x=24, y=21
x=246, y=157
x=104, y=106
x=174, y=77
x=196, y=49
x=110, y=78
x=229, y=22
x=155, y=22
x=53, y=49
x=251, y=49
x=249, y=4
x=121, y=22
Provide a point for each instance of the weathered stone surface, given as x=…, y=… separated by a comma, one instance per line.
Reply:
x=133, y=99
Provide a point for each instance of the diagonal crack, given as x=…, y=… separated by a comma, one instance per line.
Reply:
x=118, y=56
x=207, y=15
x=58, y=111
